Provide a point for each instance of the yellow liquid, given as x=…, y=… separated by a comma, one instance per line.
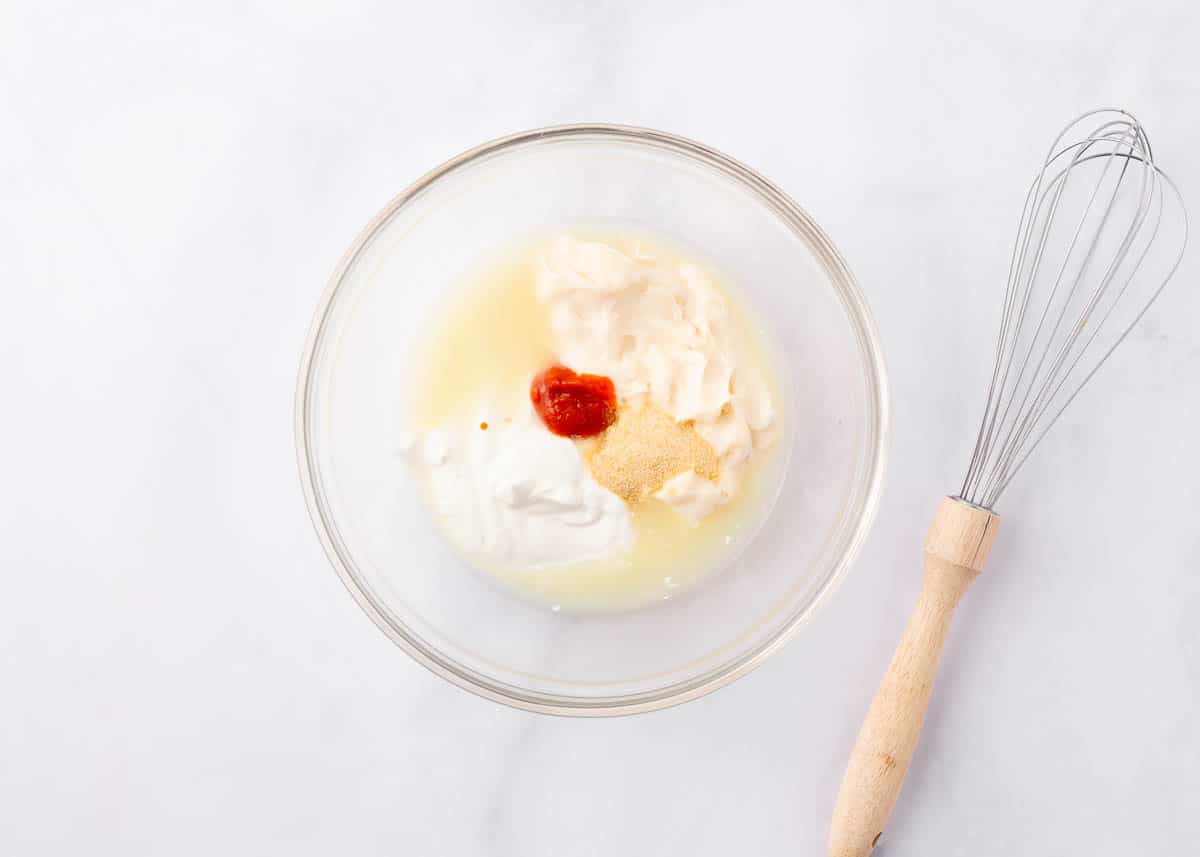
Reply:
x=490, y=341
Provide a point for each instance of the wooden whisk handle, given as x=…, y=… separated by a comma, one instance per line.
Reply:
x=955, y=552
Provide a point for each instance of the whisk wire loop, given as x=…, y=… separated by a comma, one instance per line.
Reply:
x=1082, y=257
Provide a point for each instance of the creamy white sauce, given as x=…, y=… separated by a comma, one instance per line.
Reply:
x=517, y=495
x=661, y=330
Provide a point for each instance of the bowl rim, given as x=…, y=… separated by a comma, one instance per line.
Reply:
x=799, y=221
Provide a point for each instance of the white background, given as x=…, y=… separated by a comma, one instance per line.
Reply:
x=182, y=673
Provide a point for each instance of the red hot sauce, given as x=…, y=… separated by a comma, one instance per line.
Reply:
x=573, y=405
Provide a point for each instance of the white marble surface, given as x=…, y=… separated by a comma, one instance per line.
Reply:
x=183, y=674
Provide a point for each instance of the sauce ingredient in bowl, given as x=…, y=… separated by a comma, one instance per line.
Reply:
x=573, y=405
x=661, y=329
x=517, y=495
x=637, y=456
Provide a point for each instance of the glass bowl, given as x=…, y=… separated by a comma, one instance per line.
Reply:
x=350, y=415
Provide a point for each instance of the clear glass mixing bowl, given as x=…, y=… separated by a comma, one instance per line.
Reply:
x=350, y=413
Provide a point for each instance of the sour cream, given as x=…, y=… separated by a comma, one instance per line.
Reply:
x=516, y=495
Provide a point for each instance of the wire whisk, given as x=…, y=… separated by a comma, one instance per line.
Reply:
x=1081, y=277
x=1102, y=232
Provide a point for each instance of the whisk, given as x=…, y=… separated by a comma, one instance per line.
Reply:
x=1087, y=263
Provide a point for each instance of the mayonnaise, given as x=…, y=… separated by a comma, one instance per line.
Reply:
x=660, y=329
